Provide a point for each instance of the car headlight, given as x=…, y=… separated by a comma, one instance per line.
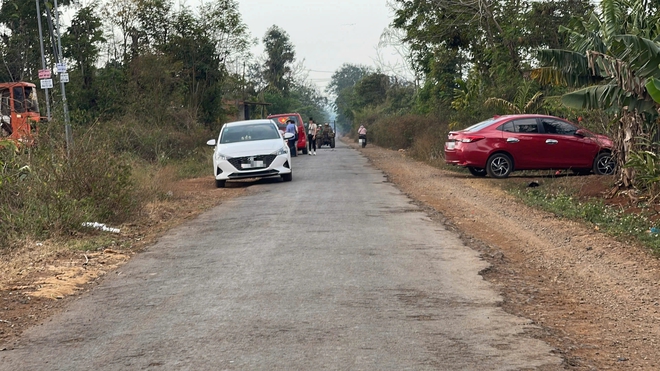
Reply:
x=220, y=157
x=281, y=151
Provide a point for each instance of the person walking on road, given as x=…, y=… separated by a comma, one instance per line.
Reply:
x=311, y=137
x=291, y=128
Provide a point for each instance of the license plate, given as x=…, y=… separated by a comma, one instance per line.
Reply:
x=253, y=164
x=450, y=145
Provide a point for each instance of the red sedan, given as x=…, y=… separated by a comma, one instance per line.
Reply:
x=503, y=144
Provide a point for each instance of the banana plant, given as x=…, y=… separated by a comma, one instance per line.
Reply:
x=613, y=59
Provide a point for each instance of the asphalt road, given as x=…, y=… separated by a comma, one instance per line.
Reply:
x=336, y=270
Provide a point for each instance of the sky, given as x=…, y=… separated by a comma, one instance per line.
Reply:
x=325, y=33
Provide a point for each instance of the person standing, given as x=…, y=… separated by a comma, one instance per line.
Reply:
x=311, y=137
x=291, y=128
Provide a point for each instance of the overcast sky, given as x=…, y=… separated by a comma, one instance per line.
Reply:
x=325, y=33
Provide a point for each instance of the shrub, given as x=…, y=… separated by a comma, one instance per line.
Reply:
x=45, y=191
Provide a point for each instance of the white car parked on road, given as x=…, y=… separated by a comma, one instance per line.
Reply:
x=250, y=149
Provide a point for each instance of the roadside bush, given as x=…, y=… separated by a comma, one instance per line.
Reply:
x=173, y=141
x=44, y=194
x=422, y=136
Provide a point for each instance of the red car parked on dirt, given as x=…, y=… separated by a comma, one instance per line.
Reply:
x=281, y=119
x=503, y=144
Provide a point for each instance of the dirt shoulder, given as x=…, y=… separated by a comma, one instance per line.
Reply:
x=595, y=298
x=43, y=277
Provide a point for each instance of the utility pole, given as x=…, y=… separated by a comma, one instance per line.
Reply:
x=43, y=59
x=60, y=62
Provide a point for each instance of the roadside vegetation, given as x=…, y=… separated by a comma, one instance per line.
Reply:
x=596, y=65
x=150, y=83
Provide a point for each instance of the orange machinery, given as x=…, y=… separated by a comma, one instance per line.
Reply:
x=19, y=110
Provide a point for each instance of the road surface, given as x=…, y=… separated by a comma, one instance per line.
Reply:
x=337, y=270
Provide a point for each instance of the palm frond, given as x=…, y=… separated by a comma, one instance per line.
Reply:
x=653, y=88
x=642, y=54
x=549, y=76
x=531, y=105
x=504, y=104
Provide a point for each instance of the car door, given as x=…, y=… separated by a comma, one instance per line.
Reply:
x=565, y=149
x=522, y=140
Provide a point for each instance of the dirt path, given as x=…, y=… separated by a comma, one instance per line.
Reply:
x=596, y=298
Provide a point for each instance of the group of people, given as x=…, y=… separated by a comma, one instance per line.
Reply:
x=312, y=131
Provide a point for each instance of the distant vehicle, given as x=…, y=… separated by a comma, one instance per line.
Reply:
x=325, y=136
x=19, y=110
x=250, y=149
x=503, y=144
x=281, y=119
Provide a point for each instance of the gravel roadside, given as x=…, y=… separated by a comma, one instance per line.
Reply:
x=596, y=298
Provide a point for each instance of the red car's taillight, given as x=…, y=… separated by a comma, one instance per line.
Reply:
x=471, y=138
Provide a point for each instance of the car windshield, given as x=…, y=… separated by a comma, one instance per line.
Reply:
x=282, y=120
x=481, y=125
x=245, y=133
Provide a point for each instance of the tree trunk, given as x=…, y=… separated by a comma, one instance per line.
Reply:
x=625, y=141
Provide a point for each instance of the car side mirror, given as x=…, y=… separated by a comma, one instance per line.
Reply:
x=211, y=143
x=289, y=135
x=581, y=133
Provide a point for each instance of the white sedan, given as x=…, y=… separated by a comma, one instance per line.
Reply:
x=250, y=149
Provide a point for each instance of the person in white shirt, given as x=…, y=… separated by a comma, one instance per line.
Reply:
x=311, y=137
x=362, y=135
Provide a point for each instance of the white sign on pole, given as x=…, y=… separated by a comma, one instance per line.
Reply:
x=61, y=67
x=44, y=74
x=47, y=83
x=64, y=77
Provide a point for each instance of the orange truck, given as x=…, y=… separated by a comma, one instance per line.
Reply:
x=19, y=111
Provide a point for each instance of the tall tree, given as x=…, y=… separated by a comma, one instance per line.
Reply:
x=342, y=85
x=155, y=21
x=225, y=27
x=19, y=39
x=614, y=53
x=280, y=56
x=81, y=41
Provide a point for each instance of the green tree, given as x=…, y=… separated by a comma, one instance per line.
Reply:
x=155, y=20
x=613, y=52
x=191, y=47
x=19, y=39
x=527, y=100
x=280, y=56
x=341, y=86
x=372, y=90
x=82, y=40
x=225, y=27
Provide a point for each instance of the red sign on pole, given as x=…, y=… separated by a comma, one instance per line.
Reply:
x=44, y=74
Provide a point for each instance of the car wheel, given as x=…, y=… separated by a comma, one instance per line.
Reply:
x=220, y=183
x=287, y=177
x=332, y=143
x=477, y=171
x=604, y=164
x=499, y=165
